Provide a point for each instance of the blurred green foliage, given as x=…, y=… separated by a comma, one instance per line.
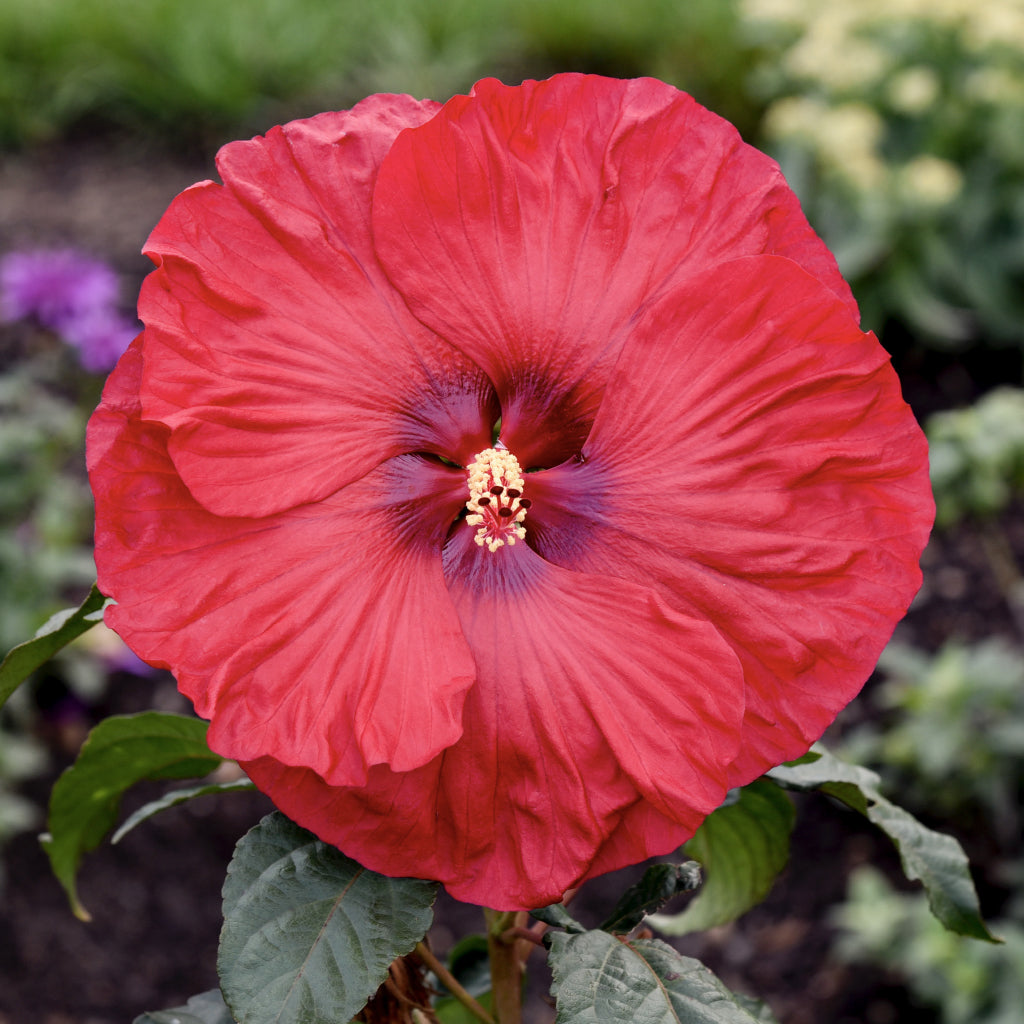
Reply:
x=947, y=732
x=45, y=536
x=194, y=72
x=899, y=122
x=45, y=508
x=969, y=982
x=901, y=125
x=44, y=527
x=953, y=742
x=21, y=757
x=977, y=456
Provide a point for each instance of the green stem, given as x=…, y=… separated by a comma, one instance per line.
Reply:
x=506, y=966
x=448, y=980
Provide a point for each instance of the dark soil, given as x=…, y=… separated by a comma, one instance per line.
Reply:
x=155, y=897
x=103, y=196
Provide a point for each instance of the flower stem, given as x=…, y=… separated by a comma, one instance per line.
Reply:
x=448, y=980
x=506, y=966
x=530, y=935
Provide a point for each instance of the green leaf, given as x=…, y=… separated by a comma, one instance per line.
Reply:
x=600, y=978
x=743, y=846
x=819, y=769
x=557, y=916
x=660, y=883
x=205, y=1008
x=470, y=965
x=55, y=633
x=450, y=1011
x=757, y=1008
x=936, y=860
x=175, y=797
x=119, y=752
x=308, y=933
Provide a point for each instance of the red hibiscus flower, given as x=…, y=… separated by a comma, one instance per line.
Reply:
x=505, y=664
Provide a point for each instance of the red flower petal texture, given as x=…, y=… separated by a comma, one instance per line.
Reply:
x=698, y=529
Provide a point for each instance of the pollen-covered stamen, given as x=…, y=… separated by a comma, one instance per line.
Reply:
x=496, y=506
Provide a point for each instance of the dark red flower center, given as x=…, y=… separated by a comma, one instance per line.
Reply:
x=496, y=504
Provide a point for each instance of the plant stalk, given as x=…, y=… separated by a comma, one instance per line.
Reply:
x=448, y=980
x=506, y=965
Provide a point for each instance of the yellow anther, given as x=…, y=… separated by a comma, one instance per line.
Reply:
x=496, y=512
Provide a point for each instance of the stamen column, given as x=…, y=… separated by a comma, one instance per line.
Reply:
x=496, y=504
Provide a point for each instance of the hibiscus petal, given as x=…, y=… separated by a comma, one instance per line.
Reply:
x=643, y=832
x=323, y=634
x=592, y=698
x=529, y=225
x=754, y=457
x=271, y=328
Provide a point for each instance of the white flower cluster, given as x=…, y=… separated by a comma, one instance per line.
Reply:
x=850, y=72
x=900, y=123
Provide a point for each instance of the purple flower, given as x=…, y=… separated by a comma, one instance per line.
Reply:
x=100, y=336
x=54, y=286
x=69, y=293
